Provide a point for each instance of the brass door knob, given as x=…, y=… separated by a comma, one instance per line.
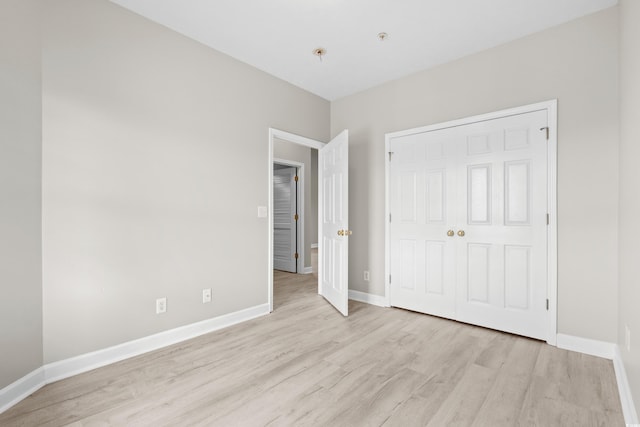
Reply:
x=340, y=232
x=345, y=232
x=450, y=233
x=461, y=233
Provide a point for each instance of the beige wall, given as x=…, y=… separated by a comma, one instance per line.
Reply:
x=20, y=190
x=298, y=153
x=629, y=191
x=577, y=63
x=154, y=161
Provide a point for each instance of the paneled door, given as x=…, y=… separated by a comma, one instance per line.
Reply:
x=422, y=186
x=284, y=222
x=502, y=213
x=333, y=207
x=468, y=237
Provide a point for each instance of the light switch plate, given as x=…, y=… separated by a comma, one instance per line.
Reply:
x=262, y=211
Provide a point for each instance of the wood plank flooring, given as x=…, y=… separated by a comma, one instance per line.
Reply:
x=306, y=365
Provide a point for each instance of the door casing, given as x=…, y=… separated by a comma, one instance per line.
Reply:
x=552, y=251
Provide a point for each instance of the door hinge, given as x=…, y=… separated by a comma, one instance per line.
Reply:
x=295, y=255
x=389, y=279
x=390, y=154
x=295, y=178
x=389, y=217
x=546, y=128
x=547, y=304
x=547, y=219
x=295, y=217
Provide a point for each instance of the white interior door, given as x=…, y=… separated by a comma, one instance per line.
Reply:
x=333, y=209
x=468, y=237
x=284, y=222
x=422, y=203
x=502, y=211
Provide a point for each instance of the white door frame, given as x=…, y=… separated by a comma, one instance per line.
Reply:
x=296, y=139
x=551, y=108
x=300, y=208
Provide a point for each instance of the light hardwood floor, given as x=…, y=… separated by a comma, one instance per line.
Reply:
x=305, y=364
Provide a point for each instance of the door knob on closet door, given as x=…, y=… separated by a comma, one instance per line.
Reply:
x=450, y=233
x=461, y=233
x=345, y=232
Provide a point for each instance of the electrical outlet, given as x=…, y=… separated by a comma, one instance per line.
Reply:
x=206, y=295
x=627, y=337
x=366, y=276
x=161, y=305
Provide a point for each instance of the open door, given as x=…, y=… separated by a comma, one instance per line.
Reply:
x=333, y=218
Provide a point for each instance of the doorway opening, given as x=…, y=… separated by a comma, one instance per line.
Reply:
x=297, y=152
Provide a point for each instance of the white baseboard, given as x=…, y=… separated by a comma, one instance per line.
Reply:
x=86, y=362
x=628, y=408
x=314, y=246
x=609, y=351
x=367, y=298
x=22, y=388
x=587, y=346
x=307, y=270
x=52, y=372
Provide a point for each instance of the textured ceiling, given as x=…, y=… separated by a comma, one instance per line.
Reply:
x=279, y=36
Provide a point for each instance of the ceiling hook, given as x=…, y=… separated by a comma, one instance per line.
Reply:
x=319, y=52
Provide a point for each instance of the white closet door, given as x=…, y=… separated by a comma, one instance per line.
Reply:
x=422, y=200
x=284, y=224
x=468, y=237
x=502, y=210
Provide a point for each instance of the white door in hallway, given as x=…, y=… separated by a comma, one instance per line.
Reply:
x=333, y=209
x=468, y=237
x=284, y=222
